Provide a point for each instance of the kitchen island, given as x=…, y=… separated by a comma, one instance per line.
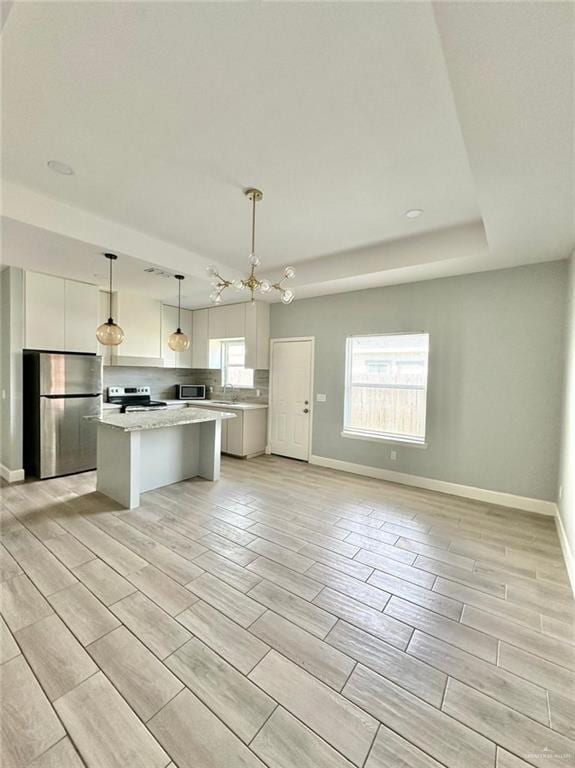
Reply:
x=144, y=450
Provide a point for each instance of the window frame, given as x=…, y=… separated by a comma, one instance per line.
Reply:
x=224, y=344
x=376, y=435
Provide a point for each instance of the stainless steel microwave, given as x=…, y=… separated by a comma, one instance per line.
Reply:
x=191, y=391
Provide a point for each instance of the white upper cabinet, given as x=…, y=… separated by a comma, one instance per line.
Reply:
x=81, y=317
x=257, y=335
x=227, y=322
x=60, y=315
x=200, y=338
x=141, y=320
x=169, y=324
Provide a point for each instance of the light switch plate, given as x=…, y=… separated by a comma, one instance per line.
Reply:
x=321, y=398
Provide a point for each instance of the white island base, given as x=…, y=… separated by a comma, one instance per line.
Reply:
x=134, y=459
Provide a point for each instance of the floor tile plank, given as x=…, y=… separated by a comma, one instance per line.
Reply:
x=376, y=623
x=208, y=744
x=440, y=736
x=494, y=681
x=285, y=742
x=415, y=676
x=107, y=585
x=306, y=615
x=234, y=604
x=58, y=660
x=238, y=646
x=509, y=729
x=142, y=680
x=346, y=727
x=155, y=628
x=83, y=613
x=105, y=730
x=241, y=705
x=323, y=661
x=29, y=725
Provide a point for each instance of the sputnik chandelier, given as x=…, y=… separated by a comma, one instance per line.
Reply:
x=251, y=283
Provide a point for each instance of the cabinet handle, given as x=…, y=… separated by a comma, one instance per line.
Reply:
x=306, y=410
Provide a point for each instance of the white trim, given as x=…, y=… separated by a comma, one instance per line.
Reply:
x=11, y=475
x=525, y=503
x=568, y=555
x=382, y=439
x=280, y=340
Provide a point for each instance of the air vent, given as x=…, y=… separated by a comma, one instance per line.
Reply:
x=157, y=272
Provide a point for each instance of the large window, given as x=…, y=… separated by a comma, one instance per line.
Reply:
x=386, y=386
x=233, y=353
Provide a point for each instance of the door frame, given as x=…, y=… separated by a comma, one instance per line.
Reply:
x=280, y=340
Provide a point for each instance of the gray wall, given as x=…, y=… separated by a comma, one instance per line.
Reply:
x=567, y=474
x=11, y=334
x=495, y=374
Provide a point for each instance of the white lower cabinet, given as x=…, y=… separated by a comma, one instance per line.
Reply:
x=246, y=435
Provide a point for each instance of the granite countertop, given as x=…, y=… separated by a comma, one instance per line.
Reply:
x=240, y=406
x=141, y=420
x=218, y=404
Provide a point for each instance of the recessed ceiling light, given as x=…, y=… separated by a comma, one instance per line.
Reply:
x=62, y=168
x=413, y=213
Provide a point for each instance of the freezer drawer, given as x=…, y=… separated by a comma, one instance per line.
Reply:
x=70, y=374
x=67, y=438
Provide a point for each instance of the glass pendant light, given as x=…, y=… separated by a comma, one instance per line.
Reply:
x=178, y=340
x=109, y=334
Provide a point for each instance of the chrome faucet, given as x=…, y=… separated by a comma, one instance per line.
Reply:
x=234, y=394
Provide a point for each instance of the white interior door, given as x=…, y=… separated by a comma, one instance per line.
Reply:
x=291, y=396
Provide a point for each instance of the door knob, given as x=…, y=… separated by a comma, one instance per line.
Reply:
x=306, y=410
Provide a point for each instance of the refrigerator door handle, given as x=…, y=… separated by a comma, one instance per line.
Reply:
x=69, y=397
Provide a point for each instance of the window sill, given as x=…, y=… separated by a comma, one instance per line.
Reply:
x=382, y=439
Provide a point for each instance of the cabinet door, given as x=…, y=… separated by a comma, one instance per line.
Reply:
x=255, y=431
x=257, y=335
x=81, y=317
x=169, y=323
x=108, y=353
x=227, y=322
x=184, y=359
x=224, y=445
x=200, y=338
x=45, y=300
x=234, y=321
x=141, y=319
x=234, y=443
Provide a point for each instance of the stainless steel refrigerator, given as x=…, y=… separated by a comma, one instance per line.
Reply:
x=60, y=390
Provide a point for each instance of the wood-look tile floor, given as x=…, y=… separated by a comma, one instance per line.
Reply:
x=287, y=616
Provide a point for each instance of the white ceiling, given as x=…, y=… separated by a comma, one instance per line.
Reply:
x=345, y=114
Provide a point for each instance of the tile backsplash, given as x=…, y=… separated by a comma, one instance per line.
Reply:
x=162, y=381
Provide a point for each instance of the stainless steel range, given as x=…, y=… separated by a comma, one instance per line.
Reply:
x=134, y=399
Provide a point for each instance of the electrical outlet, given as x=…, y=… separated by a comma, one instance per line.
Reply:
x=321, y=398
x=393, y=455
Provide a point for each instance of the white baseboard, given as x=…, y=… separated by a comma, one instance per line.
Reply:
x=568, y=555
x=11, y=475
x=525, y=503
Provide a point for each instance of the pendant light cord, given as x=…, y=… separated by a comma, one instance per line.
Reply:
x=179, y=303
x=110, y=295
